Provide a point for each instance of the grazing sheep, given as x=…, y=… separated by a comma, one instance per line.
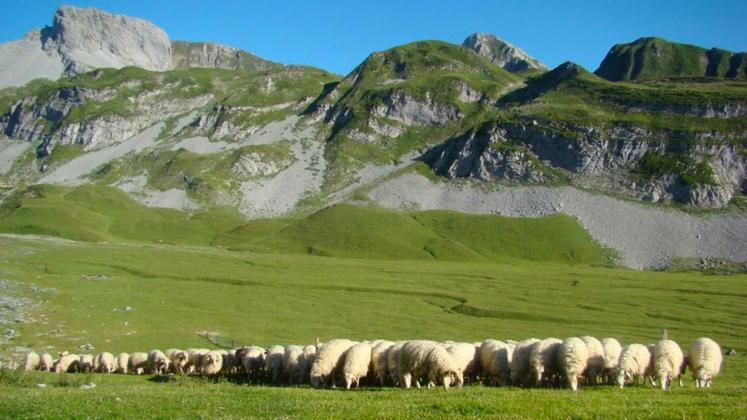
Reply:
x=327, y=363
x=178, y=360
x=194, y=359
x=252, y=360
x=500, y=363
x=667, y=362
x=611, y=349
x=211, y=363
x=86, y=363
x=31, y=361
x=104, y=362
x=230, y=363
x=294, y=364
x=427, y=360
x=633, y=364
x=466, y=358
x=158, y=363
x=392, y=361
x=595, y=364
x=520, y=375
x=704, y=359
x=573, y=358
x=138, y=363
x=357, y=359
x=123, y=360
x=543, y=360
x=379, y=356
x=274, y=363
x=45, y=362
x=67, y=363
x=485, y=354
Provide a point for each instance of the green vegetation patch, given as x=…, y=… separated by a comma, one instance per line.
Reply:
x=689, y=171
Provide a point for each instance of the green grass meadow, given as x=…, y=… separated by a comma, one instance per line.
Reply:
x=353, y=272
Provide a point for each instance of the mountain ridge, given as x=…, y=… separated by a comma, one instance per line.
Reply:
x=84, y=39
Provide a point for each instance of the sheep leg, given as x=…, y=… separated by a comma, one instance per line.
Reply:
x=406, y=381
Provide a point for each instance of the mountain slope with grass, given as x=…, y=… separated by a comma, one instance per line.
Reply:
x=655, y=58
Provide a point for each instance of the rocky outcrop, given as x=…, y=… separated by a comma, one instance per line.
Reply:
x=46, y=123
x=592, y=157
x=211, y=55
x=91, y=38
x=502, y=53
x=401, y=107
x=253, y=164
x=82, y=39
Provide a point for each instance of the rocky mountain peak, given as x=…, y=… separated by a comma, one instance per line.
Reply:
x=89, y=38
x=502, y=53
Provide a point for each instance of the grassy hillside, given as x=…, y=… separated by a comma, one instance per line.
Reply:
x=94, y=213
x=374, y=233
x=570, y=95
x=176, y=292
x=655, y=58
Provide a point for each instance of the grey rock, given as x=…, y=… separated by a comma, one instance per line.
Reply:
x=591, y=157
x=502, y=53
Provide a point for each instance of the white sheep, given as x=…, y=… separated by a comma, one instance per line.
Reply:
x=86, y=363
x=327, y=362
x=230, y=362
x=158, y=363
x=211, y=363
x=178, y=360
x=45, y=362
x=611, y=349
x=704, y=360
x=429, y=360
x=543, y=360
x=379, y=355
x=633, y=364
x=137, y=363
x=294, y=364
x=595, y=364
x=485, y=354
x=31, y=361
x=357, y=359
x=466, y=359
x=104, y=362
x=500, y=363
x=252, y=360
x=194, y=359
x=67, y=363
x=123, y=360
x=392, y=361
x=520, y=375
x=274, y=362
x=668, y=359
x=573, y=357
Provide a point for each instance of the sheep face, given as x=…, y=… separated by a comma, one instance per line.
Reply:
x=317, y=381
x=622, y=377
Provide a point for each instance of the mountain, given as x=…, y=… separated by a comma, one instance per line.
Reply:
x=425, y=125
x=652, y=58
x=186, y=54
x=80, y=40
x=502, y=53
x=399, y=101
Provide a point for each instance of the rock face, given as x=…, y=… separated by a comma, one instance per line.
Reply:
x=80, y=40
x=607, y=159
x=208, y=54
x=91, y=38
x=651, y=58
x=502, y=53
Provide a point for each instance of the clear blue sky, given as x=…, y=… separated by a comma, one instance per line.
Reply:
x=337, y=35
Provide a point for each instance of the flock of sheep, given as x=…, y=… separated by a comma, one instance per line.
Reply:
x=531, y=362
